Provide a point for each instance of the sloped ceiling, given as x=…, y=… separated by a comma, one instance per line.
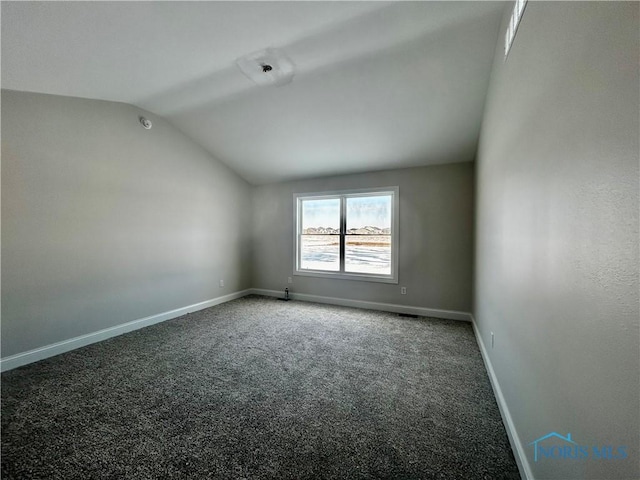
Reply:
x=377, y=85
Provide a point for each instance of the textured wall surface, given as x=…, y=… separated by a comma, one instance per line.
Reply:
x=436, y=237
x=104, y=222
x=557, y=231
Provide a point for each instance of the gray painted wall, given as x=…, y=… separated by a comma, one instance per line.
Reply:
x=436, y=241
x=105, y=222
x=557, y=230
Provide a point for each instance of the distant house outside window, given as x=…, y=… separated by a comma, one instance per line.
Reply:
x=348, y=234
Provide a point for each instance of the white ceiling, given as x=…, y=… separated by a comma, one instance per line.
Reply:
x=378, y=84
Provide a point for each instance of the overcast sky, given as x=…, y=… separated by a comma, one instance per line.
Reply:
x=361, y=212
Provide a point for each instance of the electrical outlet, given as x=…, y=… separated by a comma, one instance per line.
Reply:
x=221, y=283
x=289, y=280
x=403, y=290
x=492, y=339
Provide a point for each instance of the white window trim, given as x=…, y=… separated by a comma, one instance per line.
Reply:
x=395, y=234
x=514, y=23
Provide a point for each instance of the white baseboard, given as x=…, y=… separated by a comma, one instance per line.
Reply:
x=47, y=351
x=512, y=433
x=386, y=307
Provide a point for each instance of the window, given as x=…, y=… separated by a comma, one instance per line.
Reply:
x=514, y=21
x=350, y=235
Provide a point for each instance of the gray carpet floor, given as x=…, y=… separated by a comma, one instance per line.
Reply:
x=261, y=389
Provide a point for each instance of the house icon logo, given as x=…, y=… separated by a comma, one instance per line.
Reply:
x=554, y=446
x=566, y=439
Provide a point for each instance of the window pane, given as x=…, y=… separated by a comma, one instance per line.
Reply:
x=321, y=216
x=320, y=252
x=347, y=233
x=370, y=215
x=368, y=254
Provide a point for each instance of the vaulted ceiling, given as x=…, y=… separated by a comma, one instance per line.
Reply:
x=377, y=85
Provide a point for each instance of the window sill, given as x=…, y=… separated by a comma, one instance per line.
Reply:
x=364, y=277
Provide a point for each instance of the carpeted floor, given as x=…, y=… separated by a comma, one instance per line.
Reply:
x=257, y=388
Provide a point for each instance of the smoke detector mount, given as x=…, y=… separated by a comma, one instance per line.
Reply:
x=267, y=67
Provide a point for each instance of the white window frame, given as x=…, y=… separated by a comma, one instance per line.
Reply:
x=343, y=195
x=514, y=23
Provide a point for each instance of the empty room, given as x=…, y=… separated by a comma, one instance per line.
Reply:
x=320, y=240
